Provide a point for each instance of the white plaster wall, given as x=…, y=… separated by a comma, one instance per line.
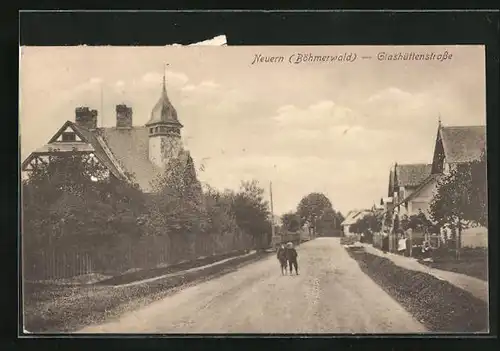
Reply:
x=423, y=199
x=163, y=148
x=475, y=237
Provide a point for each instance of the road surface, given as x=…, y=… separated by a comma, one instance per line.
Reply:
x=330, y=295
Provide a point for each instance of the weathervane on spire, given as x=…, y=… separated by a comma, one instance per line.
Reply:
x=164, y=74
x=439, y=119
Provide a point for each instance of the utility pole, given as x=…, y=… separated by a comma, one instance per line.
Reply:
x=102, y=107
x=272, y=210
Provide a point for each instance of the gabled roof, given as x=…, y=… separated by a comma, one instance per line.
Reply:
x=100, y=151
x=130, y=149
x=428, y=180
x=88, y=144
x=66, y=125
x=411, y=175
x=463, y=143
x=353, y=216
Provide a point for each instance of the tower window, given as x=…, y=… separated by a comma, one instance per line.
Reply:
x=156, y=129
x=68, y=136
x=151, y=130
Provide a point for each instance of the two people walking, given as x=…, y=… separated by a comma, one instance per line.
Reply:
x=287, y=256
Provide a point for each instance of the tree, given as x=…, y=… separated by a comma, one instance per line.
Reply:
x=176, y=206
x=291, y=221
x=368, y=224
x=388, y=219
x=416, y=222
x=252, y=212
x=340, y=219
x=479, y=191
x=220, y=212
x=312, y=207
x=72, y=197
x=461, y=198
x=329, y=221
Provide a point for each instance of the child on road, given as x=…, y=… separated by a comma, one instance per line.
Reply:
x=291, y=256
x=281, y=255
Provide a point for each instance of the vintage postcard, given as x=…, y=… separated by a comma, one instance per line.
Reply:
x=256, y=189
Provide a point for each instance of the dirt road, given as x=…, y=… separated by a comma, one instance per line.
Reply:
x=330, y=295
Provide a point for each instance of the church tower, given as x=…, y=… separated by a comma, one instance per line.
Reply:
x=164, y=131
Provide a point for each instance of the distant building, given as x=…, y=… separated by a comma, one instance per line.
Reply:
x=404, y=180
x=351, y=218
x=133, y=153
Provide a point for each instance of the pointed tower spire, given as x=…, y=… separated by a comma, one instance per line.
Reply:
x=164, y=74
x=396, y=180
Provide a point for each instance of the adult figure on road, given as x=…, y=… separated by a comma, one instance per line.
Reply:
x=291, y=256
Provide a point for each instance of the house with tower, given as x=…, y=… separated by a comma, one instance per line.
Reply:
x=132, y=153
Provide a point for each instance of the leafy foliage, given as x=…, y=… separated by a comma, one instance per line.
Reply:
x=176, y=206
x=252, y=212
x=312, y=207
x=220, y=211
x=461, y=195
x=72, y=197
x=417, y=222
x=479, y=191
x=388, y=219
x=291, y=221
x=329, y=221
x=369, y=223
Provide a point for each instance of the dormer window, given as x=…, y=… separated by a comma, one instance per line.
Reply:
x=68, y=136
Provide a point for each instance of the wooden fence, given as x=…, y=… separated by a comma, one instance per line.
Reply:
x=61, y=260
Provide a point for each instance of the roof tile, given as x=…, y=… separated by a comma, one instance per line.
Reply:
x=464, y=143
x=411, y=175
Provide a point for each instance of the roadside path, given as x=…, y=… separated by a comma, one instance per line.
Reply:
x=476, y=287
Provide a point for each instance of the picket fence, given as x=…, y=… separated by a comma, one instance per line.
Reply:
x=60, y=260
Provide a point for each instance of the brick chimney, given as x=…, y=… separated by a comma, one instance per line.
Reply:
x=123, y=116
x=86, y=117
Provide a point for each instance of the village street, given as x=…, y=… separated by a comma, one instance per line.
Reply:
x=330, y=295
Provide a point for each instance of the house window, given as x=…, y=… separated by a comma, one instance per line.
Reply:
x=68, y=136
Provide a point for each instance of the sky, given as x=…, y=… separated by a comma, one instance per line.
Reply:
x=332, y=126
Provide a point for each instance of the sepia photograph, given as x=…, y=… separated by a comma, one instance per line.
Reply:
x=213, y=189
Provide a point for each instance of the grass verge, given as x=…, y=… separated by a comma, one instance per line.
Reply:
x=179, y=267
x=55, y=309
x=476, y=269
x=437, y=304
x=472, y=262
